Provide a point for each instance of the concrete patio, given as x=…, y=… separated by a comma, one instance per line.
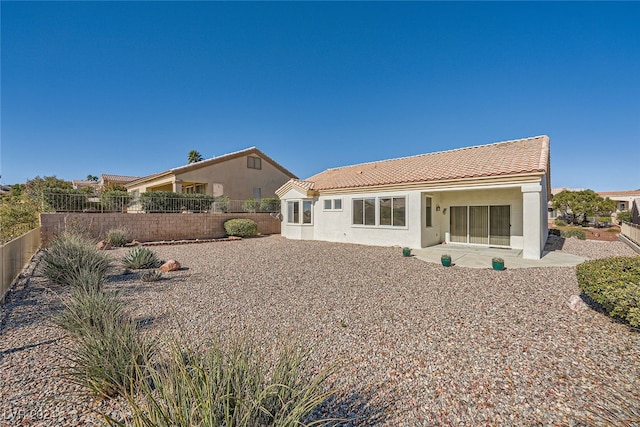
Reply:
x=480, y=257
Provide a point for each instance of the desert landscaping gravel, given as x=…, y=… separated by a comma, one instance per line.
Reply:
x=417, y=343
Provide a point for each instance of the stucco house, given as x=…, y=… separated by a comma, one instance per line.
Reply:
x=487, y=195
x=239, y=175
x=628, y=200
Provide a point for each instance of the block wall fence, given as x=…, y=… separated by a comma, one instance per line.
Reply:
x=145, y=227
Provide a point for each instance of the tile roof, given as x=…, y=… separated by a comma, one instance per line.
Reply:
x=628, y=193
x=118, y=178
x=522, y=156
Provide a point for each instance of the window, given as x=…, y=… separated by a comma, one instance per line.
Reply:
x=194, y=189
x=392, y=211
x=257, y=193
x=333, y=204
x=428, y=220
x=293, y=212
x=364, y=211
x=254, y=162
x=306, y=212
x=623, y=206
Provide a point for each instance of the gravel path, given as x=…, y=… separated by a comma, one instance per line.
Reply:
x=419, y=344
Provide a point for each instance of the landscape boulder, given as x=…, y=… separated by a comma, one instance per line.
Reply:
x=171, y=265
x=575, y=303
x=103, y=245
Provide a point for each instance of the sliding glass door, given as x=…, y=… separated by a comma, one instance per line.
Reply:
x=480, y=225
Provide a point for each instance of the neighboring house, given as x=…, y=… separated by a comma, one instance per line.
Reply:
x=625, y=201
x=240, y=175
x=105, y=179
x=83, y=183
x=487, y=195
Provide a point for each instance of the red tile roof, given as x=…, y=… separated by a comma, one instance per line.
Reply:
x=629, y=193
x=122, y=179
x=522, y=156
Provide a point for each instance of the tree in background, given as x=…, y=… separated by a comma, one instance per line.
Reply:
x=194, y=156
x=34, y=187
x=93, y=178
x=576, y=206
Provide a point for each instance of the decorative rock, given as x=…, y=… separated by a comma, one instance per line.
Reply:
x=103, y=245
x=171, y=265
x=575, y=303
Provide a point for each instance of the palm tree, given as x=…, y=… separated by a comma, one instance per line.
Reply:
x=194, y=156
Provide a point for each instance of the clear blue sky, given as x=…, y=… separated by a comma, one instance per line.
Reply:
x=130, y=88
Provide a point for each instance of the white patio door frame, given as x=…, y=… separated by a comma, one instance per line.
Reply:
x=480, y=225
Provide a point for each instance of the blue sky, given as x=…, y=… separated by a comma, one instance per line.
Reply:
x=130, y=88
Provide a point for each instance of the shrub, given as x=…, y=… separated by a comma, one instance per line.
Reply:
x=241, y=227
x=115, y=200
x=170, y=202
x=221, y=204
x=573, y=233
x=251, y=205
x=73, y=260
x=228, y=385
x=141, y=257
x=624, y=216
x=614, y=283
x=270, y=205
x=118, y=237
x=110, y=360
x=151, y=276
x=87, y=310
x=66, y=200
x=555, y=232
x=559, y=222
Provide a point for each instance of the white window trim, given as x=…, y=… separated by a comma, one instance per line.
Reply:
x=333, y=205
x=377, y=224
x=300, y=222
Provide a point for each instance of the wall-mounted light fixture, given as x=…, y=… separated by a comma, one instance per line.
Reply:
x=437, y=208
x=444, y=211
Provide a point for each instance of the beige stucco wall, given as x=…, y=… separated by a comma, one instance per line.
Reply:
x=152, y=227
x=237, y=180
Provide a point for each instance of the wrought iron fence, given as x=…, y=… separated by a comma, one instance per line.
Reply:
x=154, y=202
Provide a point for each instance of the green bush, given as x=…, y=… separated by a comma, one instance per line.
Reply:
x=559, y=222
x=66, y=200
x=115, y=201
x=151, y=276
x=624, y=216
x=141, y=257
x=118, y=237
x=251, y=205
x=573, y=233
x=170, y=202
x=614, y=283
x=270, y=205
x=221, y=204
x=110, y=360
x=87, y=310
x=241, y=227
x=73, y=260
x=228, y=385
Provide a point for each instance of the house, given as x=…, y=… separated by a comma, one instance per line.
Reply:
x=487, y=195
x=105, y=180
x=625, y=201
x=239, y=175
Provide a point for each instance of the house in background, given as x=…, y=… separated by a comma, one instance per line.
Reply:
x=625, y=201
x=239, y=175
x=487, y=195
x=105, y=179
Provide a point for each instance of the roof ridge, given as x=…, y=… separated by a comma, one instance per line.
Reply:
x=436, y=152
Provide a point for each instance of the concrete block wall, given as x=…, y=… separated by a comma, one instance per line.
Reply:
x=152, y=226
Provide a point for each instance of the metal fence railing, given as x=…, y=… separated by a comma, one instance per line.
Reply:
x=631, y=231
x=154, y=202
x=14, y=256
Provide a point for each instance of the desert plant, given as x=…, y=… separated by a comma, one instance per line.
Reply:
x=222, y=204
x=87, y=310
x=71, y=259
x=118, y=237
x=270, y=204
x=573, y=233
x=559, y=222
x=141, y=257
x=613, y=283
x=251, y=205
x=241, y=227
x=151, y=276
x=623, y=216
x=228, y=384
x=110, y=360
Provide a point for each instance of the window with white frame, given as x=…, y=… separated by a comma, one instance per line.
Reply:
x=364, y=211
x=333, y=204
x=392, y=211
x=296, y=216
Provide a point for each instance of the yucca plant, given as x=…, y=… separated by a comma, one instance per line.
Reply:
x=151, y=276
x=89, y=309
x=71, y=259
x=141, y=257
x=228, y=385
x=118, y=237
x=110, y=360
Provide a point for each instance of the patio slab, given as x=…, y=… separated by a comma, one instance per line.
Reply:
x=480, y=257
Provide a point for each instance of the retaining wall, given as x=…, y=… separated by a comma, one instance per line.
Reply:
x=146, y=227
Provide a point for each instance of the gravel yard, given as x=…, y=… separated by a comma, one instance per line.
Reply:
x=419, y=344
